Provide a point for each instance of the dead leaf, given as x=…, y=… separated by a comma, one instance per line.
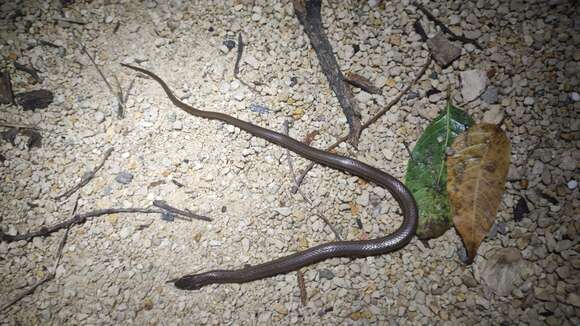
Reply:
x=476, y=175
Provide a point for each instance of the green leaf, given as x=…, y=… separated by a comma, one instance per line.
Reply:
x=427, y=171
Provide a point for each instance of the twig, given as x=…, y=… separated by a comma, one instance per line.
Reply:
x=71, y=21
x=86, y=178
x=240, y=51
x=310, y=17
x=293, y=174
x=372, y=120
x=16, y=125
x=186, y=215
x=121, y=98
x=327, y=222
x=76, y=219
x=117, y=95
x=285, y=131
x=444, y=28
x=302, y=287
x=409, y=152
x=51, y=275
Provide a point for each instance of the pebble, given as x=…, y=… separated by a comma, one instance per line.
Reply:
x=572, y=184
x=280, y=308
x=490, y=96
x=575, y=97
x=284, y=211
x=99, y=117
x=229, y=44
x=326, y=274
x=124, y=178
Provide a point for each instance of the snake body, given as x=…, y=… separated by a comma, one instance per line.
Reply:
x=363, y=248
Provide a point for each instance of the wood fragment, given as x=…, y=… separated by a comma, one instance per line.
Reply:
x=240, y=51
x=6, y=94
x=361, y=82
x=309, y=15
x=71, y=21
x=302, y=287
x=36, y=99
x=86, y=178
x=372, y=120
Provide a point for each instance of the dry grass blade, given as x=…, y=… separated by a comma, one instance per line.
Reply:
x=476, y=175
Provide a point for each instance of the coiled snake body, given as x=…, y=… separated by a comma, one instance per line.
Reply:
x=388, y=243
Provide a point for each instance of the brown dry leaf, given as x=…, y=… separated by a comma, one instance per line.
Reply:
x=476, y=175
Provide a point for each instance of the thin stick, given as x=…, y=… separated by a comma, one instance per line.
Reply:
x=240, y=51
x=71, y=21
x=117, y=95
x=293, y=174
x=302, y=287
x=185, y=214
x=444, y=28
x=50, y=275
x=76, y=219
x=372, y=120
x=87, y=178
x=16, y=125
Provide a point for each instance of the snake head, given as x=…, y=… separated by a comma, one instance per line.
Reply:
x=193, y=281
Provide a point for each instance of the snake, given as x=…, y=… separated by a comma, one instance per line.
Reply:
x=352, y=249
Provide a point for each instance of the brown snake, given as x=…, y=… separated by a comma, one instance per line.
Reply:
x=363, y=248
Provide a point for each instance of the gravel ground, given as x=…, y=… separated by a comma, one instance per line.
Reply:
x=114, y=268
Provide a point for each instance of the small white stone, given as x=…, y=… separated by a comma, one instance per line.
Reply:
x=575, y=97
x=252, y=61
x=284, y=211
x=99, y=117
x=572, y=184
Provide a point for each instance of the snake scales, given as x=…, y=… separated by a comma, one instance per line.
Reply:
x=362, y=248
